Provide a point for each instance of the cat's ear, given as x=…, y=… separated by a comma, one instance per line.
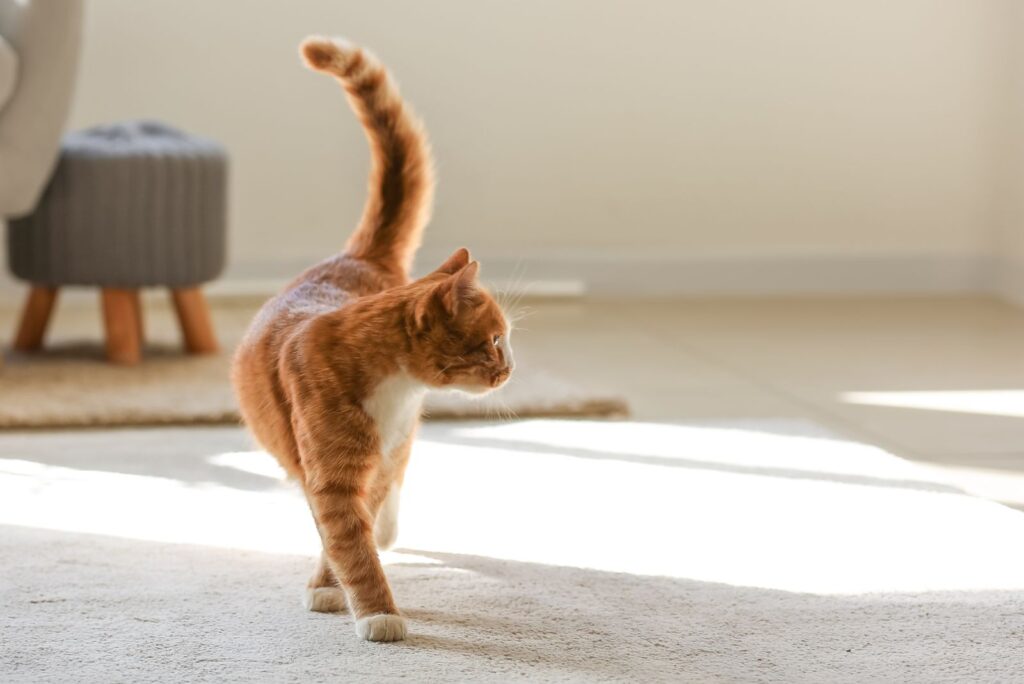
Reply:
x=457, y=289
x=455, y=262
x=450, y=295
x=418, y=320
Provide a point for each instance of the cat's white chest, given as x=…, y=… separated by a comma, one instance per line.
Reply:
x=394, y=406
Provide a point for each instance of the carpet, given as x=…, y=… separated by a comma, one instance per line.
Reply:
x=69, y=384
x=543, y=550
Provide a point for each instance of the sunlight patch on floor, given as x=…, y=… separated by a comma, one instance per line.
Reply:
x=739, y=506
x=807, y=451
x=154, y=508
x=253, y=462
x=801, y=514
x=1006, y=402
x=1004, y=486
x=162, y=509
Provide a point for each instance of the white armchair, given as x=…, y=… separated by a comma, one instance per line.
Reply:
x=39, y=44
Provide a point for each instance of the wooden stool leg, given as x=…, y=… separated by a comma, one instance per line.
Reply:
x=137, y=304
x=34, y=318
x=194, y=318
x=121, y=321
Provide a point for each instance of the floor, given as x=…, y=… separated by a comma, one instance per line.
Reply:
x=806, y=491
x=936, y=381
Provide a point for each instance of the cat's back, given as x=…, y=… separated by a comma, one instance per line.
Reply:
x=325, y=288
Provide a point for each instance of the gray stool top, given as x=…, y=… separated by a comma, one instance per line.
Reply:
x=130, y=205
x=136, y=138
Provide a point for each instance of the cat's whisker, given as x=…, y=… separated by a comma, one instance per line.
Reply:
x=513, y=292
x=440, y=373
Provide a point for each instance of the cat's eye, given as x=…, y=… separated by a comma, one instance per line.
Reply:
x=496, y=340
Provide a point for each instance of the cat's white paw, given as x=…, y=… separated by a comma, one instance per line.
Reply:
x=324, y=599
x=383, y=627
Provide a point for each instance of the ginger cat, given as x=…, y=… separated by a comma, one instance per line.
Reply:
x=331, y=374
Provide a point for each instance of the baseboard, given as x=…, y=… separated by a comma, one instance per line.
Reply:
x=624, y=274
x=244, y=288
x=615, y=273
x=1009, y=280
x=621, y=273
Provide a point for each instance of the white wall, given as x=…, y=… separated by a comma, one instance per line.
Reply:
x=1008, y=233
x=715, y=145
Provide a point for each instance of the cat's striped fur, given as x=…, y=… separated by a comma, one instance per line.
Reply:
x=332, y=371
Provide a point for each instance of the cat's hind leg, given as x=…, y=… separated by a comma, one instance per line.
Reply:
x=323, y=595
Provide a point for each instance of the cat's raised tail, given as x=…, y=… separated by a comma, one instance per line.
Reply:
x=401, y=189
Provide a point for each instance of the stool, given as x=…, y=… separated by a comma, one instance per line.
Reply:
x=130, y=205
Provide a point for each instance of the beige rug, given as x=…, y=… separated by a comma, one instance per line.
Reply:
x=71, y=385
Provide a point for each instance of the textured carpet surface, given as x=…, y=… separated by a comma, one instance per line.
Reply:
x=544, y=550
x=70, y=384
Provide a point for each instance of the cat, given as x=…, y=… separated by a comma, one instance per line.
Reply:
x=332, y=372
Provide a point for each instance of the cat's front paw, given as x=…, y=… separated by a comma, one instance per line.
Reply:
x=324, y=599
x=383, y=627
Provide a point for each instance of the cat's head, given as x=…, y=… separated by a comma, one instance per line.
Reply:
x=459, y=336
